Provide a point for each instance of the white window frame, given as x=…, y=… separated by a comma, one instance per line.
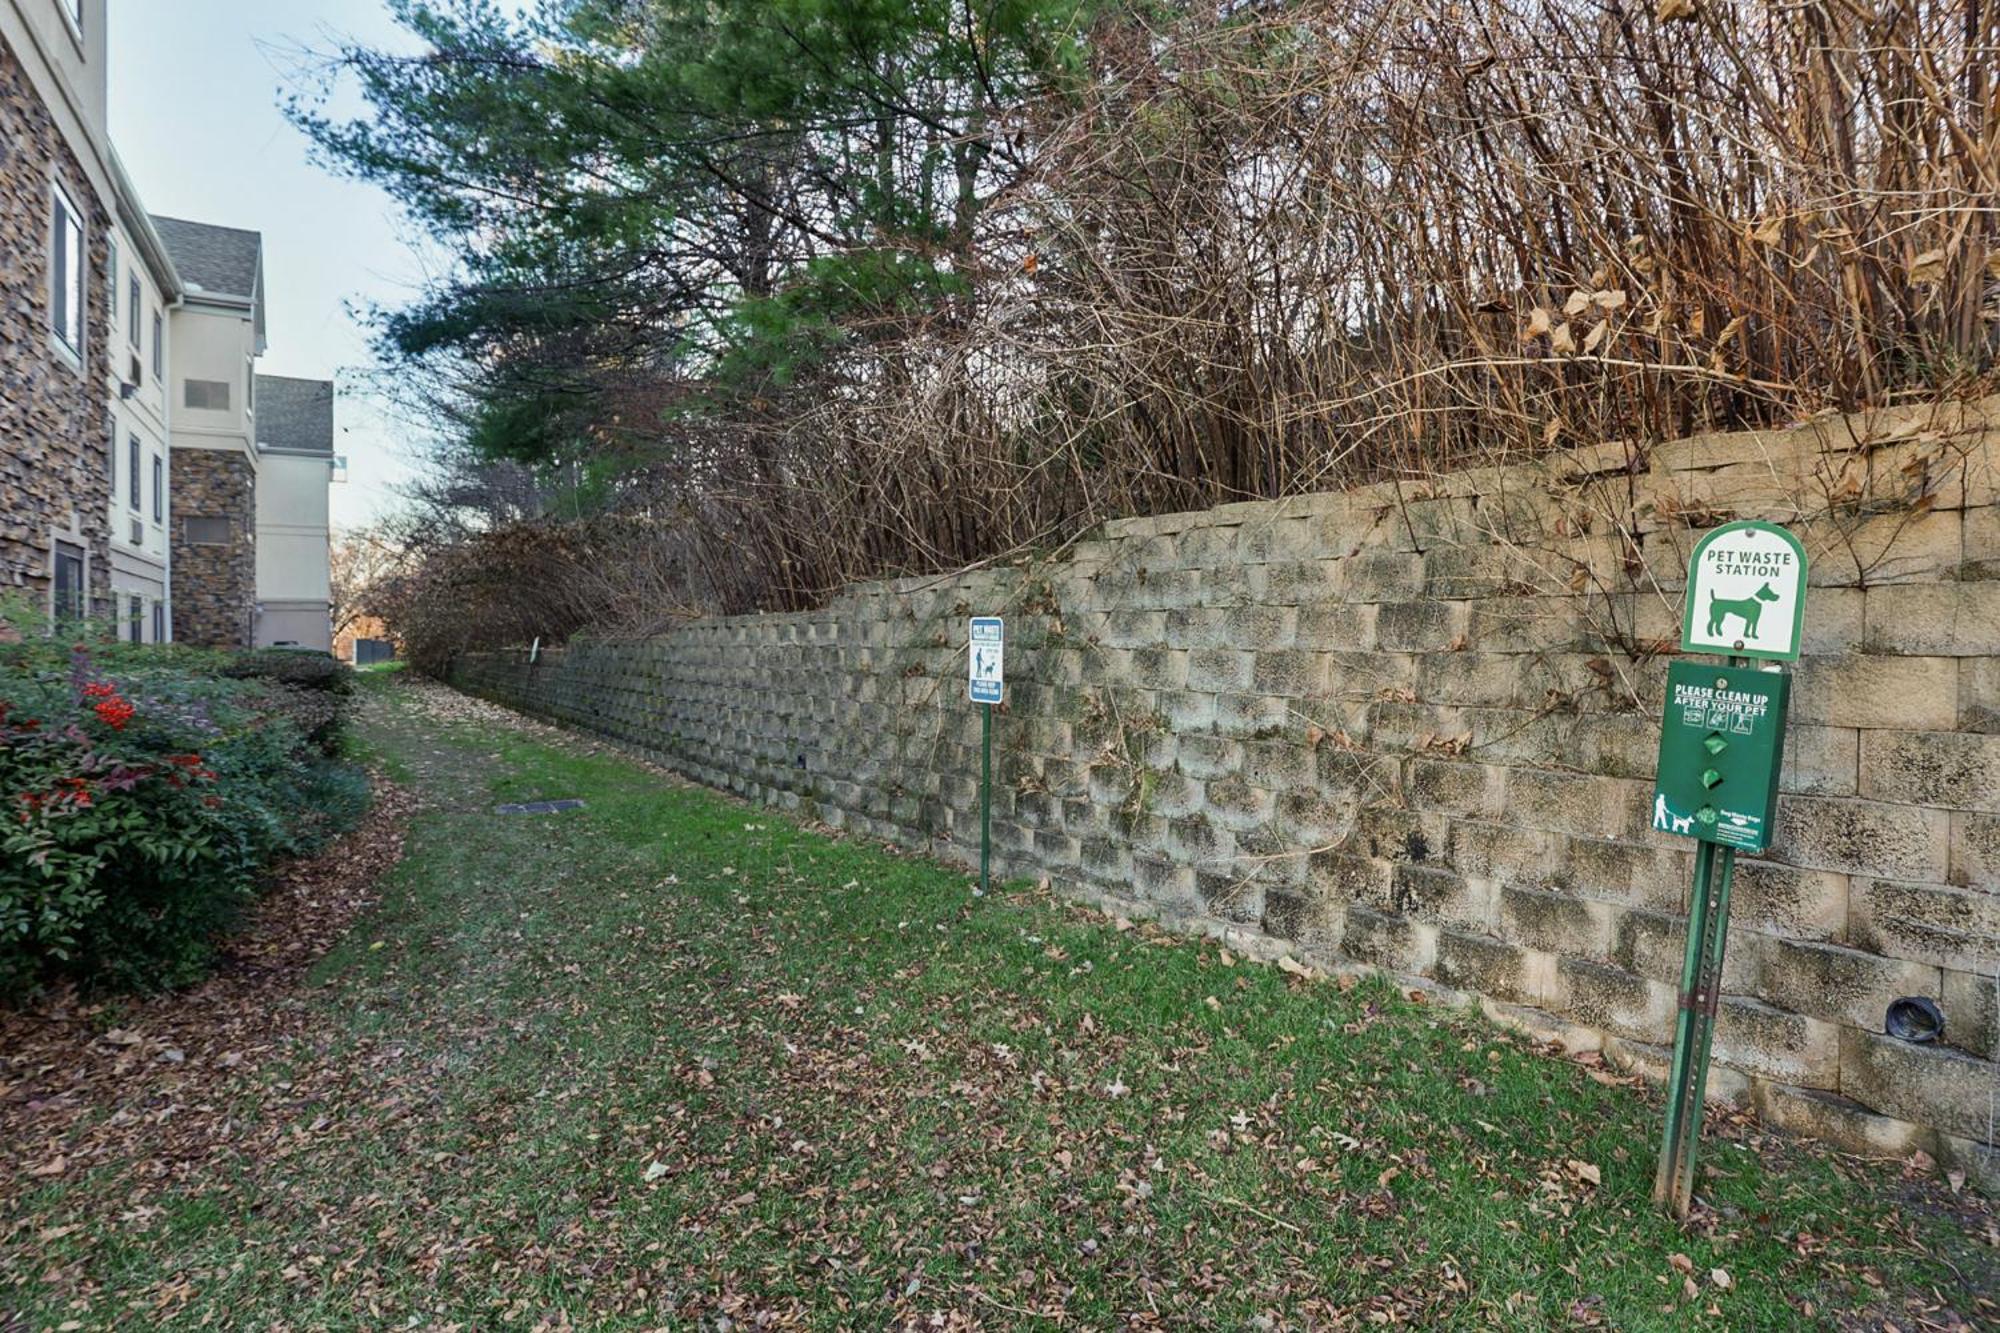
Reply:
x=75, y=275
x=159, y=345
x=72, y=12
x=136, y=293
x=159, y=487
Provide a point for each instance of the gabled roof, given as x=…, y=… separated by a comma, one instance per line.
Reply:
x=214, y=261
x=295, y=415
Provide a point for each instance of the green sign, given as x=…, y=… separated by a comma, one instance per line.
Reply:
x=1721, y=741
x=1746, y=593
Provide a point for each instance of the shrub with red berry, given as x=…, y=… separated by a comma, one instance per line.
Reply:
x=140, y=800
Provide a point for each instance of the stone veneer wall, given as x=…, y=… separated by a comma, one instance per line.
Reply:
x=1415, y=726
x=215, y=587
x=53, y=420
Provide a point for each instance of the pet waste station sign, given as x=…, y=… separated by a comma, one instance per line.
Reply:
x=985, y=683
x=988, y=641
x=1722, y=744
x=1746, y=593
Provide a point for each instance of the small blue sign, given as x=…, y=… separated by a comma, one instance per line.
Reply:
x=987, y=644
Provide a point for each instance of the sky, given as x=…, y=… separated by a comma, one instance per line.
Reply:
x=196, y=89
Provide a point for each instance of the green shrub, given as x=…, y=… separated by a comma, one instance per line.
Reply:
x=140, y=807
x=311, y=689
x=296, y=667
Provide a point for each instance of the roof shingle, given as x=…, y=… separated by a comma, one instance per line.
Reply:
x=295, y=414
x=215, y=261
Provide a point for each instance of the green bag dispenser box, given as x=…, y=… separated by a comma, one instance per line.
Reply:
x=1721, y=739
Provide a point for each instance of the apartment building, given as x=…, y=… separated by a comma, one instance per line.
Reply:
x=55, y=231
x=294, y=535
x=130, y=451
x=217, y=334
x=141, y=286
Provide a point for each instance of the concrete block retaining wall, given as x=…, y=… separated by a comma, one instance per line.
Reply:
x=1414, y=726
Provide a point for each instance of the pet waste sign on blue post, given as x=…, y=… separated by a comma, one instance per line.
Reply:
x=989, y=634
x=1722, y=744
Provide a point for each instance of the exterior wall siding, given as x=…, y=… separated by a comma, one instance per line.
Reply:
x=215, y=586
x=1414, y=727
x=53, y=420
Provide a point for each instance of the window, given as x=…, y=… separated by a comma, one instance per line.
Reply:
x=206, y=395
x=68, y=582
x=206, y=531
x=159, y=621
x=159, y=489
x=66, y=273
x=249, y=386
x=132, y=329
x=132, y=473
x=73, y=11
x=135, y=618
x=111, y=275
x=159, y=347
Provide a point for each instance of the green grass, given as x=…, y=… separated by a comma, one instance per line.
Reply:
x=670, y=1059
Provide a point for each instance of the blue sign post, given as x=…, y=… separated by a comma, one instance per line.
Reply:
x=985, y=654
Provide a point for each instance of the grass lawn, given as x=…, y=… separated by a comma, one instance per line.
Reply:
x=672, y=1061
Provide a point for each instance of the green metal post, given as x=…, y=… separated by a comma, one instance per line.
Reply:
x=985, y=797
x=1710, y=995
x=1673, y=1142
x=1694, y=1036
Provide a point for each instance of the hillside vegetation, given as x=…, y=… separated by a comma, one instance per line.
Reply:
x=754, y=297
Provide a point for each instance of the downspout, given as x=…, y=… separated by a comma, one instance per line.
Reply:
x=168, y=399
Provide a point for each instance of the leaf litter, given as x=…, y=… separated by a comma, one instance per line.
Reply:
x=592, y=1080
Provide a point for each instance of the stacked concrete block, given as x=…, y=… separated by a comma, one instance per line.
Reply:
x=1415, y=727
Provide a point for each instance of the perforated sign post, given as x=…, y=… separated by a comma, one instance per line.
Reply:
x=1722, y=742
x=986, y=645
